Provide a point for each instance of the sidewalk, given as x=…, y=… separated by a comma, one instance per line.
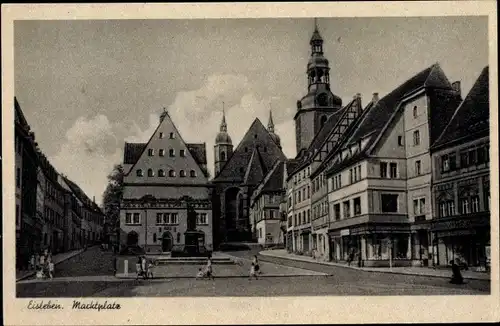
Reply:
x=420, y=271
x=59, y=258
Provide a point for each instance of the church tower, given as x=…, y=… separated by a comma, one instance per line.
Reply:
x=314, y=108
x=223, y=148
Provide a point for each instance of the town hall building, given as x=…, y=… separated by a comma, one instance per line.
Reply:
x=164, y=177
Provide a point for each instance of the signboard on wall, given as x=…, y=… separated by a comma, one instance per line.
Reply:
x=344, y=232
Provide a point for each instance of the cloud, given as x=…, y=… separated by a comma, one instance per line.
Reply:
x=94, y=145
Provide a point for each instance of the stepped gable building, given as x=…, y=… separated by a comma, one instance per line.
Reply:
x=460, y=225
x=379, y=182
x=265, y=202
x=162, y=177
x=238, y=173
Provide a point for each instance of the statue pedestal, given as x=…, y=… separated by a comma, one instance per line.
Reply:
x=192, y=243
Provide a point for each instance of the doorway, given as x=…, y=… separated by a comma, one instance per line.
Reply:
x=166, y=242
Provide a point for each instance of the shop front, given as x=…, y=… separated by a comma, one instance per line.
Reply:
x=463, y=239
x=305, y=237
x=373, y=245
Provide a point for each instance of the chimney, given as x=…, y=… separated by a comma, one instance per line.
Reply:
x=456, y=87
x=375, y=98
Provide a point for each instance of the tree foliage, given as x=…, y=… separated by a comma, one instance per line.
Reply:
x=113, y=195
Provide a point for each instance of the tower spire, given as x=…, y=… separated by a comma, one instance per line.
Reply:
x=270, y=124
x=223, y=125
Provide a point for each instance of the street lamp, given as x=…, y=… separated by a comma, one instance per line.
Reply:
x=146, y=201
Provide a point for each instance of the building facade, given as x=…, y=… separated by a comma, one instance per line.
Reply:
x=460, y=226
x=265, y=203
x=162, y=177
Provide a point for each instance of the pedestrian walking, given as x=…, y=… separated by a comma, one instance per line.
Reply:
x=253, y=272
x=32, y=265
x=256, y=265
x=208, y=270
x=456, y=277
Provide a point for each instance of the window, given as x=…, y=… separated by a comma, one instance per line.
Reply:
x=201, y=218
x=419, y=206
x=161, y=135
x=172, y=136
x=192, y=174
x=151, y=152
x=389, y=203
x=357, y=206
x=246, y=149
x=351, y=176
x=178, y=237
x=308, y=215
x=336, y=211
x=173, y=218
x=480, y=155
x=464, y=159
x=161, y=173
x=415, y=111
x=475, y=204
x=445, y=163
x=299, y=197
x=223, y=156
x=464, y=204
x=182, y=173
x=347, y=209
x=416, y=138
x=154, y=237
x=171, y=173
x=161, y=152
x=472, y=157
x=182, y=153
x=383, y=169
x=150, y=173
x=134, y=218
x=418, y=167
x=308, y=192
x=171, y=152
x=18, y=177
x=394, y=170
x=400, y=140
x=271, y=214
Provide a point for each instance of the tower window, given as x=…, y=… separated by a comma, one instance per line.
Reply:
x=182, y=173
x=151, y=152
x=192, y=173
x=182, y=153
x=161, y=173
x=223, y=156
x=172, y=136
x=161, y=152
x=400, y=140
x=151, y=173
x=171, y=152
x=246, y=149
x=255, y=136
x=416, y=138
x=415, y=111
x=139, y=173
x=171, y=173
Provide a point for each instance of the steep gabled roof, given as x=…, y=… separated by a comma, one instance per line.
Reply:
x=132, y=152
x=380, y=114
x=199, y=152
x=472, y=116
x=79, y=193
x=275, y=180
x=19, y=115
x=256, y=169
x=234, y=170
x=376, y=118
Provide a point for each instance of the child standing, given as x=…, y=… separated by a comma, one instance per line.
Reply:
x=253, y=272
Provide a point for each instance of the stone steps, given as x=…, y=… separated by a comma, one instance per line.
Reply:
x=192, y=261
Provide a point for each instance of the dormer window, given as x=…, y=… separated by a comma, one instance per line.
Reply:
x=139, y=173
x=192, y=173
x=182, y=173
x=151, y=173
x=182, y=153
x=171, y=152
x=171, y=173
x=161, y=173
x=161, y=152
x=161, y=135
x=151, y=152
x=172, y=136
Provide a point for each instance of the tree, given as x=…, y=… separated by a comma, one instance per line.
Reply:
x=113, y=195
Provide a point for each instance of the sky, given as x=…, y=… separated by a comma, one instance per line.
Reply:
x=86, y=87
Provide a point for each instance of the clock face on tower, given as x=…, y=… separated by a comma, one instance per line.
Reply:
x=322, y=99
